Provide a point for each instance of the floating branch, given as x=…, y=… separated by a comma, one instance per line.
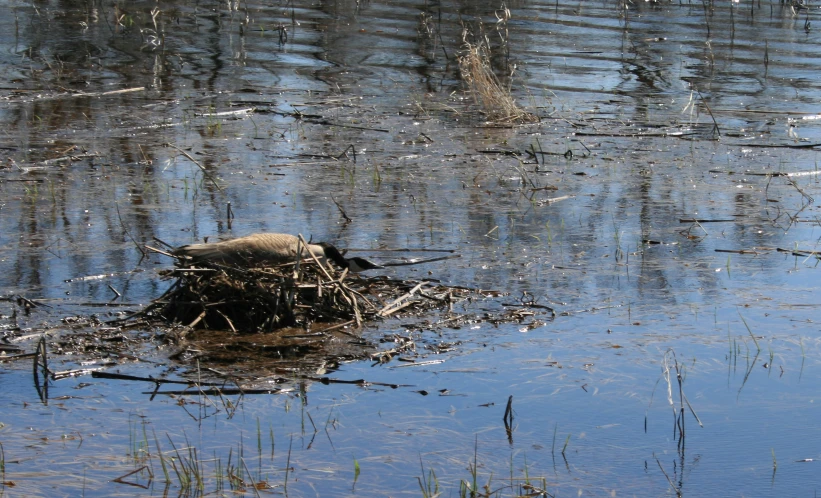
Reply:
x=421, y=261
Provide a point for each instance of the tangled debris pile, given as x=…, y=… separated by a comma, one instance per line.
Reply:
x=252, y=300
x=254, y=325
x=234, y=323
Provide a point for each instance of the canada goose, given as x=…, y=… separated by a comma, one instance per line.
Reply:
x=270, y=248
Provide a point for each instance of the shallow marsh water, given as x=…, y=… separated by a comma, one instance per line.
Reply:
x=88, y=177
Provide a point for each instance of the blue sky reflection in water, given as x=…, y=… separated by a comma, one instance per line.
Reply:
x=617, y=88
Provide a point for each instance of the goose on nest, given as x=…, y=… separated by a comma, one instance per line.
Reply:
x=270, y=248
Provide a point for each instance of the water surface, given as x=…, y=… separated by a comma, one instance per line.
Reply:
x=670, y=112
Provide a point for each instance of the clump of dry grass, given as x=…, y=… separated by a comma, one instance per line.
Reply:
x=488, y=91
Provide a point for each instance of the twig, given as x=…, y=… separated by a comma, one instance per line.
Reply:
x=508, y=417
x=120, y=479
x=160, y=251
x=715, y=124
x=90, y=94
x=228, y=320
x=800, y=190
x=41, y=361
x=118, y=295
x=166, y=244
x=678, y=493
x=313, y=256
x=250, y=476
x=249, y=110
x=345, y=153
x=329, y=123
x=117, y=205
x=387, y=310
x=422, y=261
x=342, y=211
x=220, y=392
x=693, y=411
x=337, y=326
x=200, y=166
x=71, y=373
x=198, y=319
x=778, y=146
x=739, y=251
x=77, y=157
x=29, y=303
x=554, y=200
x=116, y=376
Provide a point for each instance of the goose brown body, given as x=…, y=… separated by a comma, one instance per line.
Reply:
x=268, y=248
x=272, y=248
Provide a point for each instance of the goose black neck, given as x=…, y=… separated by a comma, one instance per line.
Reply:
x=333, y=254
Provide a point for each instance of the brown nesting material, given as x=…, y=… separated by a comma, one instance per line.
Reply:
x=249, y=300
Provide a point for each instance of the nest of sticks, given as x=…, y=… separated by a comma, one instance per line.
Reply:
x=253, y=300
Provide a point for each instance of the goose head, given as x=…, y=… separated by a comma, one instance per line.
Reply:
x=353, y=264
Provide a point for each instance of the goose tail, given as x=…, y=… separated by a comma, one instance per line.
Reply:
x=201, y=252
